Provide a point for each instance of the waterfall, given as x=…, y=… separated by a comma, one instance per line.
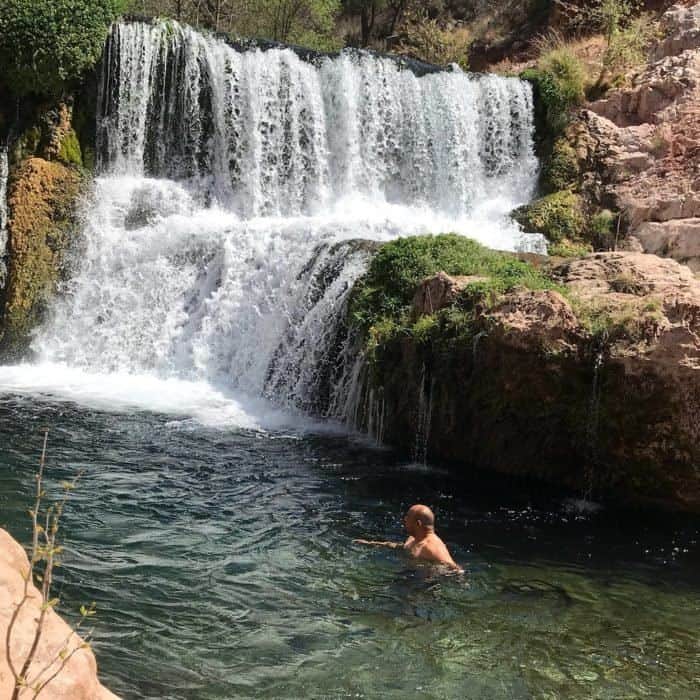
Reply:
x=4, y=174
x=240, y=194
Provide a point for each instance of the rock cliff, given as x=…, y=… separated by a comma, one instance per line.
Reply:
x=46, y=181
x=593, y=384
x=637, y=150
x=78, y=679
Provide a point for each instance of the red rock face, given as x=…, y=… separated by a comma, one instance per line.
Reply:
x=442, y=290
x=598, y=386
x=78, y=679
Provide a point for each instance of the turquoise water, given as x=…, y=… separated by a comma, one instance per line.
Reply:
x=222, y=567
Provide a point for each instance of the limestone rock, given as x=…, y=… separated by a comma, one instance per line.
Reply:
x=42, y=201
x=639, y=148
x=682, y=28
x=678, y=239
x=597, y=387
x=78, y=679
x=526, y=319
x=439, y=291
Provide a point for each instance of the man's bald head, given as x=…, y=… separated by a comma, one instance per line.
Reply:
x=419, y=519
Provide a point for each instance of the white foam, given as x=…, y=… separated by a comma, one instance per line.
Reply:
x=122, y=392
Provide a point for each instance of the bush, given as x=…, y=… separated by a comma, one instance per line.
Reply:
x=567, y=249
x=603, y=228
x=559, y=82
x=45, y=44
x=561, y=169
x=557, y=216
x=385, y=293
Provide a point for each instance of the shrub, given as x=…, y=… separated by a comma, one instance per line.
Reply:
x=569, y=249
x=557, y=216
x=628, y=47
x=559, y=81
x=387, y=290
x=603, y=227
x=561, y=170
x=45, y=44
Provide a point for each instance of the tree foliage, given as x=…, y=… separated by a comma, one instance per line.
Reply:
x=45, y=44
x=307, y=22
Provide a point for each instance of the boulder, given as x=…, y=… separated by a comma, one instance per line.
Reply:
x=679, y=239
x=439, y=291
x=78, y=679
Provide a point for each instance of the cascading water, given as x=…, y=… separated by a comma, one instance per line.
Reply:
x=236, y=189
x=4, y=173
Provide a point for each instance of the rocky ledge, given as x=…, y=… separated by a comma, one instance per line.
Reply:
x=78, y=679
x=592, y=382
x=634, y=155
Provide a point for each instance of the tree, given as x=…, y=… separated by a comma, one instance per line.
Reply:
x=45, y=44
x=368, y=11
x=308, y=22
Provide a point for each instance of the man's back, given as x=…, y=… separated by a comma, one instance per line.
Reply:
x=431, y=548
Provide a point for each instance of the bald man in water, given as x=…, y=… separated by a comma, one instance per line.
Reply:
x=423, y=542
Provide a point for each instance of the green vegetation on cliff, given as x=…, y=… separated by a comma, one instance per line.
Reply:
x=559, y=81
x=382, y=299
x=557, y=216
x=45, y=44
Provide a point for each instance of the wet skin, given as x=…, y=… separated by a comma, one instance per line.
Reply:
x=423, y=542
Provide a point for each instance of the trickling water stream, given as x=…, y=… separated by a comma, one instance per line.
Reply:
x=4, y=172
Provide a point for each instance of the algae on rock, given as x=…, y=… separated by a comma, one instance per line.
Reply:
x=42, y=201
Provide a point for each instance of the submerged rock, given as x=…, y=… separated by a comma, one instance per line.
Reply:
x=78, y=679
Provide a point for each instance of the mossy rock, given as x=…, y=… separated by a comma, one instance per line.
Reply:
x=557, y=216
x=42, y=203
x=561, y=170
x=27, y=145
x=69, y=151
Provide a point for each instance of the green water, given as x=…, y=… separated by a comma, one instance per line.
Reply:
x=222, y=567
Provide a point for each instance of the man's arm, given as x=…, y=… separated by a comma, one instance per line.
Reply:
x=375, y=543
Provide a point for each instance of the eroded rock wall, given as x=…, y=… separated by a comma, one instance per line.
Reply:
x=638, y=148
x=46, y=181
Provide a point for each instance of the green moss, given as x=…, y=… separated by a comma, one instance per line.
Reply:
x=69, y=151
x=42, y=202
x=380, y=302
x=557, y=216
x=561, y=170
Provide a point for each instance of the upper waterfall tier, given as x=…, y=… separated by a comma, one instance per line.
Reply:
x=265, y=133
